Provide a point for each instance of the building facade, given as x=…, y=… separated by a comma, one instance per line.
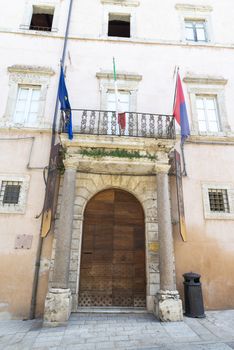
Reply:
x=115, y=239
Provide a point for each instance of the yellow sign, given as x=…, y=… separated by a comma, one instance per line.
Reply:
x=46, y=223
x=154, y=247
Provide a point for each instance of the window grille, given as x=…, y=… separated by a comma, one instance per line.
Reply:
x=10, y=192
x=218, y=199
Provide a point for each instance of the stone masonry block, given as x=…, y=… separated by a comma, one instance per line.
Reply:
x=72, y=276
x=75, y=244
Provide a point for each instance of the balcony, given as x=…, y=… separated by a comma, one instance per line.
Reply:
x=100, y=146
x=98, y=122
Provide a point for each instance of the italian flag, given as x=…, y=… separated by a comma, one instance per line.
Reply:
x=119, y=112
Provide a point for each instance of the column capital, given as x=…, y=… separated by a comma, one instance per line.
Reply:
x=70, y=164
x=162, y=168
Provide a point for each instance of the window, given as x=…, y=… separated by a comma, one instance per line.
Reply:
x=207, y=112
x=218, y=199
x=13, y=193
x=27, y=104
x=119, y=25
x=208, y=105
x=196, y=22
x=195, y=31
x=10, y=192
x=42, y=18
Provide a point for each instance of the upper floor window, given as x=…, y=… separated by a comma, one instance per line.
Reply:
x=208, y=106
x=196, y=22
x=27, y=104
x=42, y=18
x=119, y=25
x=207, y=112
x=26, y=101
x=195, y=30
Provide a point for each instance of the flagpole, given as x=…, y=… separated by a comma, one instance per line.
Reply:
x=116, y=94
x=176, y=70
x=52, y=145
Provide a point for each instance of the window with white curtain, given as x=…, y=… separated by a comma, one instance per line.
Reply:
x=27, y=104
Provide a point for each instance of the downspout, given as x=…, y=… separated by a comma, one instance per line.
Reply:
x=40, y=243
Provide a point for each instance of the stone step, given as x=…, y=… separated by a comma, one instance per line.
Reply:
x=112, y=310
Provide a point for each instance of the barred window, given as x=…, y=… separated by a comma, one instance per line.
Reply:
x=10, y=192
x=218, y=199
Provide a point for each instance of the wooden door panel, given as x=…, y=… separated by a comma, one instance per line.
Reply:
x=123, y=238
x=123, y=257
x=122, y=270
x=121, y=284
x=98, y=270
x=112, y=269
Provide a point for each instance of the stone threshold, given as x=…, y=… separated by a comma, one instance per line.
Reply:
x=112, y=310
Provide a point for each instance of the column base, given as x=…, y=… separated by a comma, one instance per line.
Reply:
x=168, y=306
x=57, y=307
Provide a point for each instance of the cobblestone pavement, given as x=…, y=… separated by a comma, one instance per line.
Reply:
x=122, y=331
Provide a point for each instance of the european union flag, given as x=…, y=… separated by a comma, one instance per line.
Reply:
x=65, y=104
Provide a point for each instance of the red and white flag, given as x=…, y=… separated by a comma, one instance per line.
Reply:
x=119, y=112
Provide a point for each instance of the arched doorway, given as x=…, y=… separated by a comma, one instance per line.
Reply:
x=112, y=271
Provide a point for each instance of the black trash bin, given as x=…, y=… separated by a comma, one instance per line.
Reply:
x=193, y=295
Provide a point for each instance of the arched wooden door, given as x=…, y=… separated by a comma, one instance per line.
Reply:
x=112, y=271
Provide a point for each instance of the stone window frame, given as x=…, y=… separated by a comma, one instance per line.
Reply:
x=20, y=207
x=208, y=214
x=188, y=12
x=28, y=12
x=208, y=86
x=122, y=8
x=26, y=76
x=127, y=83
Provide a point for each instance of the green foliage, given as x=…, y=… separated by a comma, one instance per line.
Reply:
x=118, y=153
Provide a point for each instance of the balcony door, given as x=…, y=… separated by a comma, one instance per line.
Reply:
x=112, y=271
x=123, y=105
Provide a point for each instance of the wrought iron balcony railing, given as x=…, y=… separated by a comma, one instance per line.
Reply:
x=97, y=122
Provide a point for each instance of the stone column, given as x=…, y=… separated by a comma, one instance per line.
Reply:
x=168, y=303
x=58, y=299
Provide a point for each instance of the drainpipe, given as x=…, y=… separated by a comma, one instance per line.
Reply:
x=40, y=243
